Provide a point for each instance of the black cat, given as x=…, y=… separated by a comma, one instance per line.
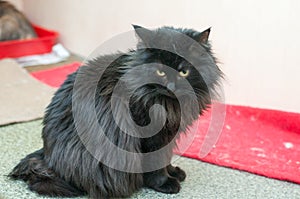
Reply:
x=76, y=157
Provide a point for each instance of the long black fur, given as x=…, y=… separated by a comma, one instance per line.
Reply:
x=64, y=167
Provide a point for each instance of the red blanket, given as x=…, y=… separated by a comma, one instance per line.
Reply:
x=55, y=76
x=260, y=141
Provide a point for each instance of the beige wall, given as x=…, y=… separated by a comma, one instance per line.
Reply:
x=17, y=3
x=256, y=40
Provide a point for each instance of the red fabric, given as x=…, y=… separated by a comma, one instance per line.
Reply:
x=55, y=76
x=260, y=141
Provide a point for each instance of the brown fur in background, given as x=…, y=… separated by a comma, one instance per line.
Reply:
x=13, y=24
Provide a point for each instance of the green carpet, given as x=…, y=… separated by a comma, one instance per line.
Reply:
x=203, y=180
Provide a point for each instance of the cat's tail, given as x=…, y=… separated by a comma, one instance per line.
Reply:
x=41, y=179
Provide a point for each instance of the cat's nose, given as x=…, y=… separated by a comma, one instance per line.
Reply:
x=171, y=86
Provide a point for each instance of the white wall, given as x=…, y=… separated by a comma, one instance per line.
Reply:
x=17, y=3
x=256, y=40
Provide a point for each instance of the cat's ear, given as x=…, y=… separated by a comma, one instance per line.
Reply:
x=203, y=36
x=143, y=33
x=136, y=26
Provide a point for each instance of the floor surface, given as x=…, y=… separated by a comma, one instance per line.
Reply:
x=203, y=180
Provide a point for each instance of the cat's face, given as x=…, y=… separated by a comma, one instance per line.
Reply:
x=172, y=80
x=173, y=75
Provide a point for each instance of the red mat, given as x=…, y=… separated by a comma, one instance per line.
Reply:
x=260, y=141
x=55, y=76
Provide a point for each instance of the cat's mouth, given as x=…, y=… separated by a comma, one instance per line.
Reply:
x=169, y=93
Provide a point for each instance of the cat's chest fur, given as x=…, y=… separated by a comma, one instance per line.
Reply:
x=169, y=130
x=170, y=111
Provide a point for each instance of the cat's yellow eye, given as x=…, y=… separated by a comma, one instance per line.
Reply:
x=184, y=73
x=160, y=73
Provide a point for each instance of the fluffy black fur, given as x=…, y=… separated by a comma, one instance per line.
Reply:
x=64, y=167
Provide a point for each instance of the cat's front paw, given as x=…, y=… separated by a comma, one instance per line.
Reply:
x=176, y=172
x=171, y=186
